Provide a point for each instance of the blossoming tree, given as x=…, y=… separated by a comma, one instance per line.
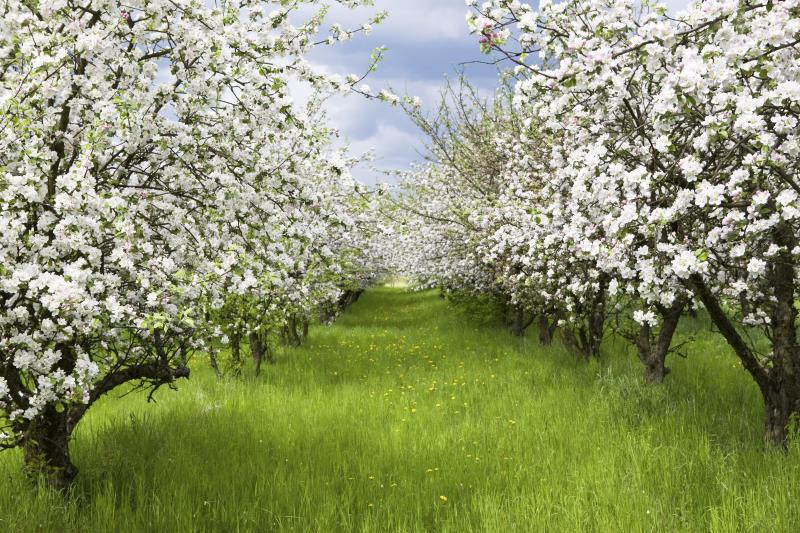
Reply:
x=151, y=159
x=686, y=135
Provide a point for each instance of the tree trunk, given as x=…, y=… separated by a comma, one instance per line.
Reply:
x=651, y=357
x=518, y=325
x=348, y=299
x=260, y=350
x=256, y=351
x=342, y=302
x=236, y=352
x=546, y=330
x=586, y=344
x=780, y=382
x=269, y=357
x=45, y=438
x=305, y=328
x=784, y=401
x=597, y=320
x=212, y=358
x=296, y=341
x=46, y=447
x=571, y=342
x=781, y=406
x=290, y=334
x=744, y=304
x=654, y=357
x=776, y=418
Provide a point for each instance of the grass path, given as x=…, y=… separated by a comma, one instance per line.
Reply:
x=410, y=415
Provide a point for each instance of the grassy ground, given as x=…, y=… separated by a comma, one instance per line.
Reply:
x=409, y=415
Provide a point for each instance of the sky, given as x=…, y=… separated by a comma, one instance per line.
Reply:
x=427, y=40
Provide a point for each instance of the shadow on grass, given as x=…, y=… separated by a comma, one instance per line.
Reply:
x=305, y=442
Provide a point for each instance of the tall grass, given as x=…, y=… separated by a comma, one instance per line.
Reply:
x=409, y=415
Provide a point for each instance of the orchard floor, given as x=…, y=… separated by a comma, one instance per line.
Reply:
x=412, y=415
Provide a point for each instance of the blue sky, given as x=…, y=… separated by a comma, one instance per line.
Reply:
x=427, y=40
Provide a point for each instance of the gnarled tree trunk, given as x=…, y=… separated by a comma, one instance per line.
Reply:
x=597, y=319
x=779, y=377
x=45, y=438
x=654, y=355
x=591, y=327
x=46, y=448
x=783, y=400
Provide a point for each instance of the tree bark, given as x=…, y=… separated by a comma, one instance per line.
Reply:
x=296, y=341
x=46, y=448
x=597, y=319
x=578, y=343
x=268, y=354
x=256, y=351
x=212, y=359
x=590, y=328
x=780, y=382
x=518, y=324
x=571, y=341
x=327, y=315
x=778, y=411
x=290, y=335
x=784, y=401
x=546, y=330
x=260, y=350
x=654, y=356
x=236, y=352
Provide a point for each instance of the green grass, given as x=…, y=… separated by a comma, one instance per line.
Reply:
x=408, y=415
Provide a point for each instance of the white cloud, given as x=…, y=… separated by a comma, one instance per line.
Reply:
x=393, y=147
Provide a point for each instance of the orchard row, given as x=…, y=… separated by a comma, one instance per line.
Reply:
x=633, y=166
x=161, y=194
